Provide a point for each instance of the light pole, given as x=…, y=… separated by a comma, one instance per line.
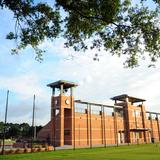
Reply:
x=33, y=117
x=5, y=121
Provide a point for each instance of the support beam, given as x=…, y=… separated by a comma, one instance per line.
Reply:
x=54, y=128
x=102, y=126
x=87, y=124
x=73, y=120
x=90, y=112
x=135, y=116
x=115, y=127
x=61, y=142
x=143, y=122
x=151, y=123
x=158, y=126
x=53, y=119
x=104, y=123
x=53, y=91
x=61, y=89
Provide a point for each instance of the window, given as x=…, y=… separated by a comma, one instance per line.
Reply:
x=109, y=111
x=153, y=116
x=140, y=134
x=66, y=132
x=148, y=116
x=95, y=109
x=136, y=113
x=80, y=108
x=120, y=113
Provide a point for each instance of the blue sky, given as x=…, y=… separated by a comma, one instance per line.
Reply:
x=98, y=81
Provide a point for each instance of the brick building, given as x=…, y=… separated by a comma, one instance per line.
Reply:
x=79, y=123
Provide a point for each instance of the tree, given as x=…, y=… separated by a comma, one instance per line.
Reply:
x=24, y=127
x=1, y=130
x=118, y=26
x=14, y=130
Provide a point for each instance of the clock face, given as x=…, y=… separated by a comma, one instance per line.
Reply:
x=67, y=101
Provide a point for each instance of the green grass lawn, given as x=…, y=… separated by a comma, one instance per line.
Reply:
x=132, y=152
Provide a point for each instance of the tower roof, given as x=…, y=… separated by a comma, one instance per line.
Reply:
x=131, y=99
x=66, y=84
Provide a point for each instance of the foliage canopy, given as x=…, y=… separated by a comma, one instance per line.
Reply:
x=121, y=27
x=17, y=131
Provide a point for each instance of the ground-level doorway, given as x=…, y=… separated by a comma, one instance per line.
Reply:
x=121, y=137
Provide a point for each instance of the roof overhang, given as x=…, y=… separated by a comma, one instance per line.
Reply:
x=66, y=84
x=130, y=98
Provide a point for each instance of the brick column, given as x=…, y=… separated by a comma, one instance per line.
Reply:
x=61, y=116
x=126, y=119
x=115, y=127
x=144, y=121
x=158, y=126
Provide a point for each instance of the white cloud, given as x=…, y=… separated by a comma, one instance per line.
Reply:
x=98, y=81
x=22, y=88
x=24, y=85
x=101, y=80
x=22, y=111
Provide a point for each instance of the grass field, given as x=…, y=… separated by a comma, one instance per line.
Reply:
x=133, y=152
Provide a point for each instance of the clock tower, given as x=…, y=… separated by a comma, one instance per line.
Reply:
x=62, y=112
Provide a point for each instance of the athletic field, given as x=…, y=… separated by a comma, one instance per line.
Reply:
x=132, y=152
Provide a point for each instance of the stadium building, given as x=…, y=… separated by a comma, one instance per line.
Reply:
x=80, y=123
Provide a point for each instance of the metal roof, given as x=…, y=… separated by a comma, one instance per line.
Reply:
x=131, y=99
x=66, y=84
